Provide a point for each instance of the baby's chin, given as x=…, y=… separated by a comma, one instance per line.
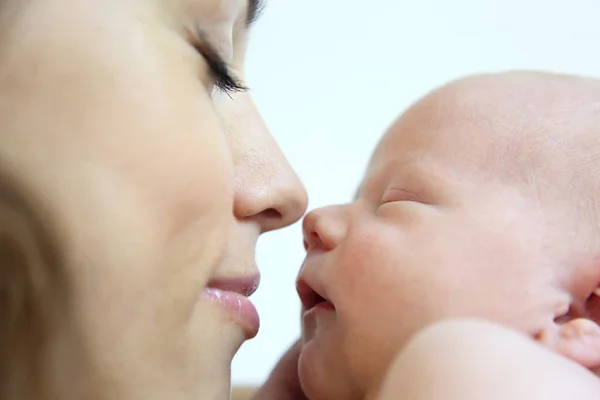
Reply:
x=310, y=355
x=307, y=362
x=313, y=353
x=315, y=373
x=321, y=367
x=308, y=332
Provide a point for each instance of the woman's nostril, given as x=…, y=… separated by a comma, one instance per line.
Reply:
x=270, y=219
x=271, y=213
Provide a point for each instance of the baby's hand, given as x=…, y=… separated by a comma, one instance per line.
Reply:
x=577, y=340
x=576, y=335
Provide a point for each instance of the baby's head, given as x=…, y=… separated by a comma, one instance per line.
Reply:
x=482, y=200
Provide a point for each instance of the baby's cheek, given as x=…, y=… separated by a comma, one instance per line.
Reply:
x=372, y=266
x=386, y=284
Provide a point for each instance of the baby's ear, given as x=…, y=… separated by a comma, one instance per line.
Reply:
x=578, y=338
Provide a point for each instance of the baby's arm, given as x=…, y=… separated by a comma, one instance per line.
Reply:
x=475, y=360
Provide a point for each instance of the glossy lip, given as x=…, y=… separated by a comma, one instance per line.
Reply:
x=232, y=294
x=245, y=286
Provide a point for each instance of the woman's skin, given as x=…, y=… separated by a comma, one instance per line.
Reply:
x=120, y=118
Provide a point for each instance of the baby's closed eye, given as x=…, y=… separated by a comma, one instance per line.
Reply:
x=396, y=194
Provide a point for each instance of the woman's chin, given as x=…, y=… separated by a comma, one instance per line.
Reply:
x=214, y=342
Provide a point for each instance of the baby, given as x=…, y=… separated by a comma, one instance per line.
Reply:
x=482, y=201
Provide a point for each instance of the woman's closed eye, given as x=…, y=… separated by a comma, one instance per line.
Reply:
x=223, y=79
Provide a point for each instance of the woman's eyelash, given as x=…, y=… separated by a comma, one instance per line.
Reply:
x=224, y=80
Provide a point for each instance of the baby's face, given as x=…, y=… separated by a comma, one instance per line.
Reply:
x=433, y=233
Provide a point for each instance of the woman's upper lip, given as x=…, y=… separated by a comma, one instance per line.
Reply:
x=245, y=285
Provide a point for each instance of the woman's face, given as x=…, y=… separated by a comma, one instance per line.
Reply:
x=125, y=117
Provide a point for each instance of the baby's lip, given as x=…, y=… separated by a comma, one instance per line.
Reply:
x=309, y=296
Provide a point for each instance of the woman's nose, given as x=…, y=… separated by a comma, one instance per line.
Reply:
x=268, y=191
x=324, y=228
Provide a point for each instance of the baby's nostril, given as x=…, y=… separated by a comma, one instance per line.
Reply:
x=311, y=241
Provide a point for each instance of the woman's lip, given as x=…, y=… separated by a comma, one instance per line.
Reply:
x=238, y=306
x=232, y=294
x=243, y=285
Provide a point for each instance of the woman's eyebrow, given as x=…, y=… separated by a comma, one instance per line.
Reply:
x=255, y=8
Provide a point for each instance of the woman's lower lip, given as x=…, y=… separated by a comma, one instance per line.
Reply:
x=238, y=306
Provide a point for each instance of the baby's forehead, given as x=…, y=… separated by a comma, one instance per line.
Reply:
x=441, y=132
x=497, y=121
x=537, y=132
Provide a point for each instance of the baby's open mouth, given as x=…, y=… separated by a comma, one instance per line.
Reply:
x=310, y=297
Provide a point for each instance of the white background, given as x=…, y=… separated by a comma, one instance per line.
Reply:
x=331, y=75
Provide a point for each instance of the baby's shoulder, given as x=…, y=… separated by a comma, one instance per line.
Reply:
x=472, y=359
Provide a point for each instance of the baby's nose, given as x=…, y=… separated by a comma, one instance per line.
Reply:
x=324, y=228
